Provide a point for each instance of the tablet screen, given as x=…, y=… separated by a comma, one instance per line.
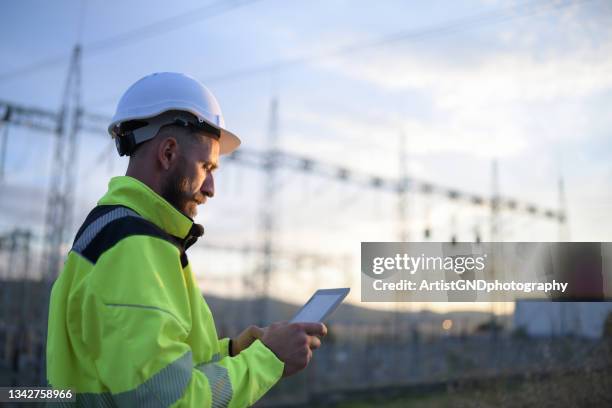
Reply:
x=320, y=305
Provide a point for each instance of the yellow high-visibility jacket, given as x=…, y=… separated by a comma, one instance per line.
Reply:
x=128, y=325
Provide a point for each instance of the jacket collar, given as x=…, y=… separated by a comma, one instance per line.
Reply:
x=132, y=193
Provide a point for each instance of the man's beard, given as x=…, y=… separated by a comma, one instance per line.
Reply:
x=176, y=191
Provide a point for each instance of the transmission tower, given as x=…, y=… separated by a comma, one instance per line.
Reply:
x=4, y=128
x=564, y=232
x=402, y=220
x=402, y=196
x=268, y=213
x=60, y=198
x=495, y=227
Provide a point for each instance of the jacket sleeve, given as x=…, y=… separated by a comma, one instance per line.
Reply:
x=136, y=319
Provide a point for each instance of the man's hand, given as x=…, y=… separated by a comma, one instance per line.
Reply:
x=245, y=339
x=293, y=343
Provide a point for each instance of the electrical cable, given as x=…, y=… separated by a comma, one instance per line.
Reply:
x=150, y=30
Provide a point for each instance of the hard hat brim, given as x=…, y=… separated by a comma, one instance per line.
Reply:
x=228, y=142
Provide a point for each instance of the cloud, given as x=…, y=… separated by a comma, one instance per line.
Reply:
x=492, y=106
x=477, y=135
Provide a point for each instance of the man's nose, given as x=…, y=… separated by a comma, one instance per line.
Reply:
x=208, y=187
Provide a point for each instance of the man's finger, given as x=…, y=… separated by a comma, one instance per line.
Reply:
x=315, y=329
x=314, y=342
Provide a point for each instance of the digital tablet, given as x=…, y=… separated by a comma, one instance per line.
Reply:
x=320, y=305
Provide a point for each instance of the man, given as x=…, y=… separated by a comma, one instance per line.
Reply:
x=127, y=323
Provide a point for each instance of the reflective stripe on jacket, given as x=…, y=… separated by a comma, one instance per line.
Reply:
x=128, y=325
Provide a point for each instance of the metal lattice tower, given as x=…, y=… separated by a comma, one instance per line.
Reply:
x=402, y=196
x=564, y=232
x=4, y=128
x=495, y=203
x=268, y=214
x=402, y=224
x=495, y=229
x=60, y=198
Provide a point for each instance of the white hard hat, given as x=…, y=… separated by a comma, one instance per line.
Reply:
x=139, y=113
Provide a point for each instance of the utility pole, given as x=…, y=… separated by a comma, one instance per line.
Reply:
x=403, y=236
x=564, y=232
x=402, y=219
x=402, y=196
x=495, y=227
x=268, y=213
x=4, y=126
x=564, y=307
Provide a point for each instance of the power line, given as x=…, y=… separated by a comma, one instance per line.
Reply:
x=167, y=25
x=31, y=117
x=446, y=28
x=150, y=30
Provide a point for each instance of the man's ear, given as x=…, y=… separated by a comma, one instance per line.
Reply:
x=167, y=152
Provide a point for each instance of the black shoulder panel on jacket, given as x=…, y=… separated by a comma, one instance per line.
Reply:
x=105, y=227
x=94, y=214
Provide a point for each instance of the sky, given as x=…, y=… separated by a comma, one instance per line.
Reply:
x=525, y=84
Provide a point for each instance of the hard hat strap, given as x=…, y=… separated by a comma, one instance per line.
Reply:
x=127, y=141
x=195, y=125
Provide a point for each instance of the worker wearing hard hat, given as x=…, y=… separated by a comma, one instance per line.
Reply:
x=128, y=325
